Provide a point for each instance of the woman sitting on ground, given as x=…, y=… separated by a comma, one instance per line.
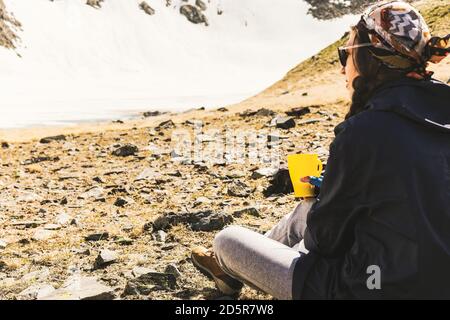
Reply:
x=380, y=227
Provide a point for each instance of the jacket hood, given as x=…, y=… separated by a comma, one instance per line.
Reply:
x=426, y=102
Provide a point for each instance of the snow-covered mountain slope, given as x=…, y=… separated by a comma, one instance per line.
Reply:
x=75, y=62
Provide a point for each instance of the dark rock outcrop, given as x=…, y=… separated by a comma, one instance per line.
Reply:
x=193, y=14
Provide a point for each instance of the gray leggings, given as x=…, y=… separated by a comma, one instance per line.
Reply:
x=265, y=262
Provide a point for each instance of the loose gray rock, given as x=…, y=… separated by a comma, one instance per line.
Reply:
x=149, y=114
x=160, y=236
x=212, y=222
x=146, y=8
x=238, y=189
x=252, y=211
x=125, y=150
x=298, y=112
x=139, y=271
x=37, y=291
x=193, y=14
x=120, y=202
x=263, y=112
x=264, y=173
x=105, y=258
x=165, y=125
x=42, y=235
x=201, y=5
x=172, y=269
x=96, y=193
x=40, y=159
x=148, y=174
x=53, y=138
x=38, y=275
x=97, y=236
x=124, y=241
x=63, y=219
x=97, y=4
x=81, y=288
x=284, y=122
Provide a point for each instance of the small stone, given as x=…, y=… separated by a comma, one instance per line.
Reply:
x=95, y=193
x=3, y=244
x=238, y=189
x=81, y=288
x=193, y=14
x=124, y=241
x=36, y=291
x=149, y=114
x=264, y=173
x=284, y=122
x=161, y=223
x=98, y=180
x=42, y=235
x=165, y=125
x=97, y=236
x=105, y=258
x=201, y=200
x=212, y=222
x=125, y=151
x=252, y=211
x=148, y=174
x=5, y=145
x=63, y=219
x=172, y=269
x=160, y=236
x=139, y=271
x=54, y=138
x=120, y=202
x=147, y=9
x=201, y=5
x=298, y=112
x=263, y=112
x=38, y=275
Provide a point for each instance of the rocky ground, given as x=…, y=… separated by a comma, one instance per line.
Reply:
x=111, y=215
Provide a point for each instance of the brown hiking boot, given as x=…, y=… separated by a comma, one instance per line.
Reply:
x=206, y=262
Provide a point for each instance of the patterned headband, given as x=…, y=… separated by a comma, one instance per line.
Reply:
x=401, y=37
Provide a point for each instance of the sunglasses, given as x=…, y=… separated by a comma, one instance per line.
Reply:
x=343, y=53
x=438, y=46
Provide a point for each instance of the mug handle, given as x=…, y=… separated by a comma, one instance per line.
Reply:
x=319, y=166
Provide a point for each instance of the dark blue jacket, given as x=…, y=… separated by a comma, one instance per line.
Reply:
x=385, y=201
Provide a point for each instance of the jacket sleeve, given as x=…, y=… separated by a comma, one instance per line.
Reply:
x=331, y=221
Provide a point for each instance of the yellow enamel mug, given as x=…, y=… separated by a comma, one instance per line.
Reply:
x=300, y=166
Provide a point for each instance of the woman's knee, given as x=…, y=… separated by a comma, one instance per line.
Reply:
x=227, y=240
